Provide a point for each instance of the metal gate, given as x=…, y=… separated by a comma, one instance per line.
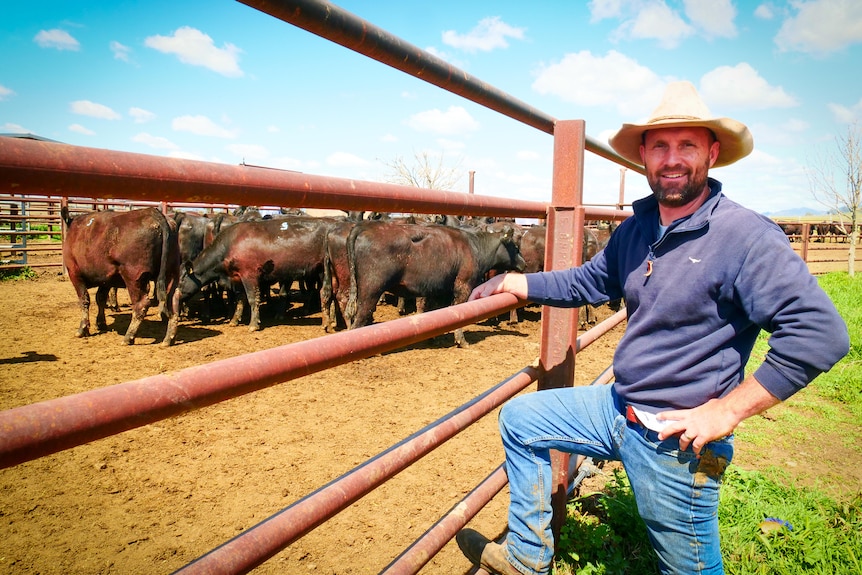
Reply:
x=39, y=167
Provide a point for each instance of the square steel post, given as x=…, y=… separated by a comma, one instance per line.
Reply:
x=565, y=236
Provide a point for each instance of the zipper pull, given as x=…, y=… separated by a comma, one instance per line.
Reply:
x=650, y=259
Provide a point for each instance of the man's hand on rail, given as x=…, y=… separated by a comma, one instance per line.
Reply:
x=513, y=283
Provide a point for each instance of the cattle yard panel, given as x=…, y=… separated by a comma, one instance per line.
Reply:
x=39, y=167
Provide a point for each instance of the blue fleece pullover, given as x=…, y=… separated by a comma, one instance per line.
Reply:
x=717, y=277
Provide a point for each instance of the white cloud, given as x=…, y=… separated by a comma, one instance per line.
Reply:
x=821, y=26
x=141, y=116
x=183, y=155
x=389, y=138
x=612, y=80
x=795, y=125
x=844, y=114
x=345, y=160
x=94, y=110
x=59, y=39
x=527, y=155
x=713, y=17
x=249, y=151
x=194, y=47
x=273, y=129
x=5, y=92
x=765, y=11
x=657, y=20
x=157, y=142
x=489, y=34
x=14, y=128
x=455, y=120
x=602, y=9
x=78, y=128
x=286, y=163
x=120, y=51
x=653, y=21
x=741, y=86
x=202, y=126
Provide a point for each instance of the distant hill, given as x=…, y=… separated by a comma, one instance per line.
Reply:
x=796, y=212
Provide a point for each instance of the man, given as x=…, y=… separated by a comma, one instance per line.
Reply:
x=701, y=276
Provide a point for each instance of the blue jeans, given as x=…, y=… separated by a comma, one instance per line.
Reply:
x=676, y=493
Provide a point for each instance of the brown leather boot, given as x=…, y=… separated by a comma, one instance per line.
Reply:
x=484, y=552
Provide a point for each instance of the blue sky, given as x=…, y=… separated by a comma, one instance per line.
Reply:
x=220, y=81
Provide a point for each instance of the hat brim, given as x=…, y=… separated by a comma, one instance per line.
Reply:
x=735, y=138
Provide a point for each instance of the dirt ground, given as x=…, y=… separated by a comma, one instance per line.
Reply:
x=152, y=499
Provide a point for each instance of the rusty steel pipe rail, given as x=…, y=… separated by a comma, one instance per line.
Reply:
x=434, y=539
x=601, y=329
x=427, y=546
x=32, y=431
x=253, y=547
x=337, y=25
x=38, y=167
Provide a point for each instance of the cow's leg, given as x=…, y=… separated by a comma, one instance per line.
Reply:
x=365, y=307
x=172, y=307
x=252, y=293
x=239, y=309
x=113, y=304
x=283, y=300
x=140, y=298
x=84, y=305
x=103, y=296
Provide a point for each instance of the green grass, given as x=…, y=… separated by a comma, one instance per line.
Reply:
x=24, y=273
x=603, y=534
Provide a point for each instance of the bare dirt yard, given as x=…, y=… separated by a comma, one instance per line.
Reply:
x=152, y=499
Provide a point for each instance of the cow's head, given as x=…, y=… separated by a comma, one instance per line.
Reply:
x=190, y=284
x=509, y=240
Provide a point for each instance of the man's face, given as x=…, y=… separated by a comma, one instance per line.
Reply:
x=677, y=162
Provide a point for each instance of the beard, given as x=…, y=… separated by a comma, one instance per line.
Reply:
x=681, y=191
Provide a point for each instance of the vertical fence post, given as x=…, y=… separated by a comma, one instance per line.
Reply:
x=564, y=243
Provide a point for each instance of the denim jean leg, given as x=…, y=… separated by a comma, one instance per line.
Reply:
x=677, y=497
x=575, y=420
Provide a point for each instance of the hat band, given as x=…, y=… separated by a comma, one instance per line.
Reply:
x=679, y=118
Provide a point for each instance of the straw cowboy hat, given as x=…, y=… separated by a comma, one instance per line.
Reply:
x=682, y=107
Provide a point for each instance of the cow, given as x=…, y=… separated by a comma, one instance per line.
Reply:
x=792, y=231
x=123, y=249
x=440, y=263
x=532, y=247
x=257, y=254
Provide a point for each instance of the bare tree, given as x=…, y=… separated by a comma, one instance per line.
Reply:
x=836, y=182
x=424, y=172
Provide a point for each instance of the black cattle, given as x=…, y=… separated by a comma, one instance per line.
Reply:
x=440, y=263
x=532, y=247
x=123, y=249
x=191, y=233
x=257, y=255
x=792, y=231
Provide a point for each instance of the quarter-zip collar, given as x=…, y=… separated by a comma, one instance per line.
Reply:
x=647, y=216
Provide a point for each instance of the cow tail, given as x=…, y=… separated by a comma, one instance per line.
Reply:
x=353, y=294
x=326, y=286
x=161, y=282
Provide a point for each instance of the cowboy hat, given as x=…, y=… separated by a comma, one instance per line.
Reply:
x=681, y=107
